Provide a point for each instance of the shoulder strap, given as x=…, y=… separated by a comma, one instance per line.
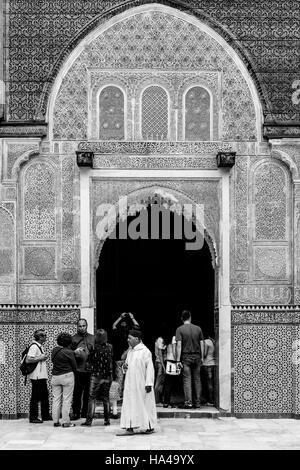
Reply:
x=82, y=340
x=61, y=348
x=32, y=344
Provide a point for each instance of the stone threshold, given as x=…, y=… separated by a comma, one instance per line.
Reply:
x=203, y=412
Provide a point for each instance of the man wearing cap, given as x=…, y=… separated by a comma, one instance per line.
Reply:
x=138, y=412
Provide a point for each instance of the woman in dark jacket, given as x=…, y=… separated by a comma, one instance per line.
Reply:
x=63, y=373
x=100, y=361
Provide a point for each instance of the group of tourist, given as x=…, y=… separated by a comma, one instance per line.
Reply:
x=189, y=354
x=87, y=368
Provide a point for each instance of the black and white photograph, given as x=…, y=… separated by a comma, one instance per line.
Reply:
x=149, y=228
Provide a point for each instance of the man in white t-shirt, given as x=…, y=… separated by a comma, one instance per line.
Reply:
x=39, y=376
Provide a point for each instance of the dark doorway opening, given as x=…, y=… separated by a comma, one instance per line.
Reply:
x=155, y=279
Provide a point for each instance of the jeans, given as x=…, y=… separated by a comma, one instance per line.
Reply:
x=170, y=383
x=62, y=390
x=208, y=385
x=191, y=378
x=159, y=382
x=39, y=393
x=81, y=393
x=99, y=390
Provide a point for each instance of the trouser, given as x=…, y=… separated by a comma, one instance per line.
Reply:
x=99, y=390
x=62, y=390
x=170, y=381
x=114, y=406
x=81, y=393
x=208, y=385
x=191, y=378
x=39, y=393
x=159, y=381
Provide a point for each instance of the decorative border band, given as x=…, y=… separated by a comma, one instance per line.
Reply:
x=154, y=148
x=23, y=131
x=39, y=314
x=277, y=132
x=149, y=162
x=282, y=314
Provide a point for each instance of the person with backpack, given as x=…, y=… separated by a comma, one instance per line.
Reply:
x=63, y=377
x=39, y=391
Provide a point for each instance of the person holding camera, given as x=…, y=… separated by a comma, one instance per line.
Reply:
x=120, y=330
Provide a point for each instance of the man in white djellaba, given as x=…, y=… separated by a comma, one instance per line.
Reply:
x=138, y=412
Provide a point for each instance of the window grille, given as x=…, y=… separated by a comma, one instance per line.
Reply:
x=111, y=123
x=197, y=114
x=155, y=122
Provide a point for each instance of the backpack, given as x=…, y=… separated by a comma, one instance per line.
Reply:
x=26, y=368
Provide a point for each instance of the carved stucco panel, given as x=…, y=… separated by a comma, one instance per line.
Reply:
x=241, y=214
x=154, y=40
x=68, y=228
x=270, y=201
x=271, y=263
x=71, y=108
x=6, y=294
x=39, y=262
x=293, y=151
x=49, y=294
x=201, y=192
x=271, y=219
x=39, y=202
x=7, y=244
x=297, y=243
x=261, y=295
x=15, y=151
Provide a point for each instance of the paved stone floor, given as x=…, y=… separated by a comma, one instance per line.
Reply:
x=172, y=434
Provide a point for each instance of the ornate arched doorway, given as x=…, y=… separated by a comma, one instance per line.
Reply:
x=106, y=99
x=156, y=275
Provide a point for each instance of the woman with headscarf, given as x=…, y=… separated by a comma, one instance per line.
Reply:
x=100, y=361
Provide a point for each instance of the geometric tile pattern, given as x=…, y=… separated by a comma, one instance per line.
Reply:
x=8, y=371
x=263, y=370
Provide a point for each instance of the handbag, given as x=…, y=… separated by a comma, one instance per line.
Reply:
x=172, y=368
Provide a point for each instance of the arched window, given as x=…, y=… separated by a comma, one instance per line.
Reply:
x=197, y=114
x=155, y=121
x=111, y=125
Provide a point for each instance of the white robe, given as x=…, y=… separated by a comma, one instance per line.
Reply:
x=138, y=408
